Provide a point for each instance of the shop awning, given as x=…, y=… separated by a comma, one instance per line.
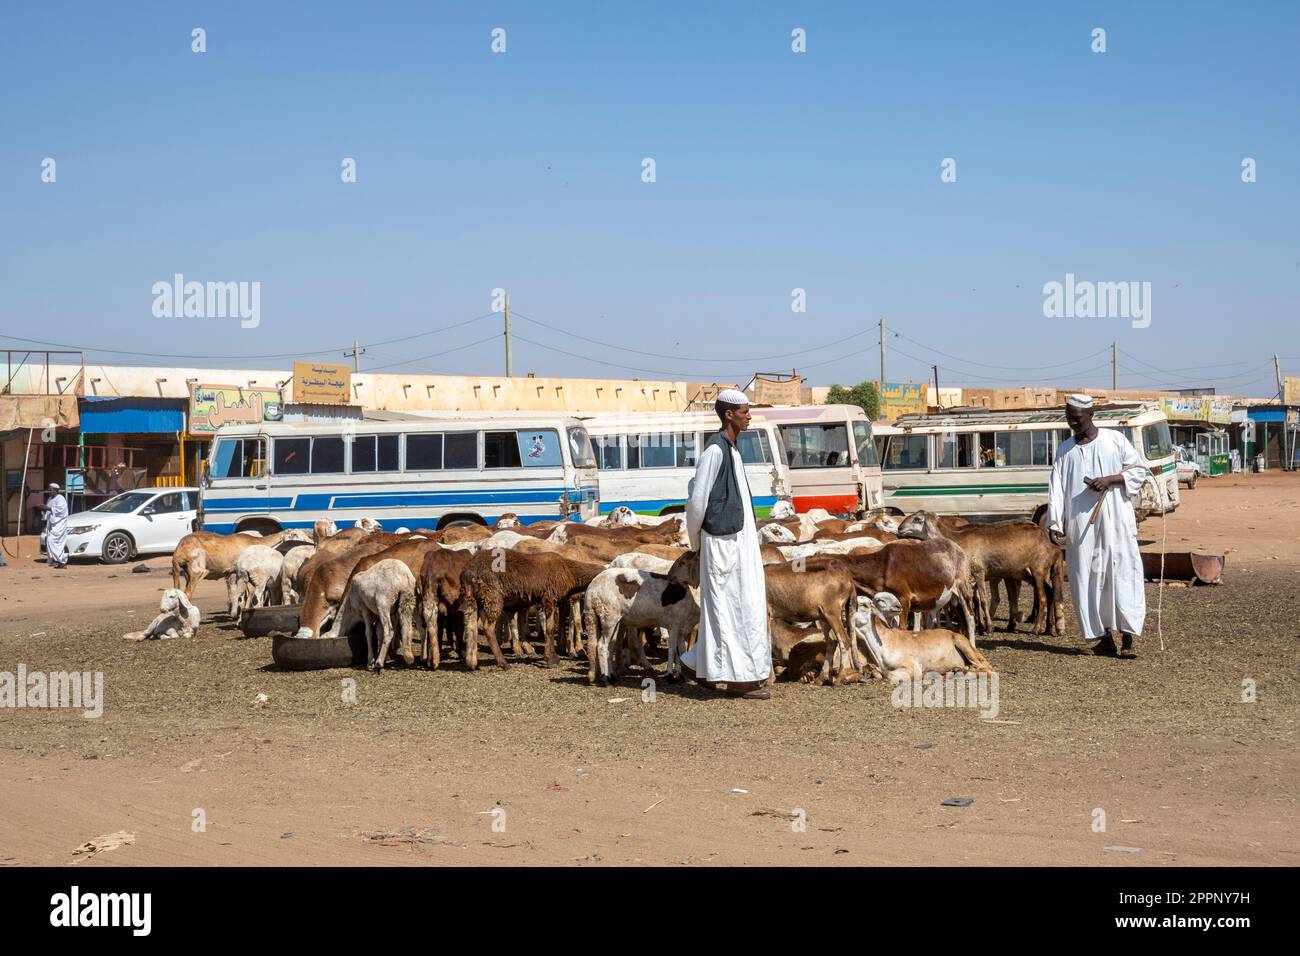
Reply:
x=37, y=411
x=107, y=416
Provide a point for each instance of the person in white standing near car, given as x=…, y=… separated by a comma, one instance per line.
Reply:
x=56, y=528
x=1097, y=472
x=733, y=645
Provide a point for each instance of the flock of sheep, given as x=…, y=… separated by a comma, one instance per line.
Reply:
x=880, y=589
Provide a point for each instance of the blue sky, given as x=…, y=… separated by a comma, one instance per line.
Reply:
x=775, y=171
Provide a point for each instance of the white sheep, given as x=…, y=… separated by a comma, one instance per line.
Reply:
x=289, y=568
x=179, y=618
x=619, y=598
x=369, y=525
x=506, y=521
x=808, y=549
x=257, y=578
x=375, y=595
x=781, y=510
x=776, y=534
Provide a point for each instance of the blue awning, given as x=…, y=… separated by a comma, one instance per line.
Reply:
x=106, y=416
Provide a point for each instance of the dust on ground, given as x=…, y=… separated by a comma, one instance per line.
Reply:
x=536, y=766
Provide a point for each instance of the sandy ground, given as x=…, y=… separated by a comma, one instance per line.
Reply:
x=535, y=766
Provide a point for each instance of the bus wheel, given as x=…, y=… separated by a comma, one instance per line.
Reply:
x=263, y=526
x=461, y=522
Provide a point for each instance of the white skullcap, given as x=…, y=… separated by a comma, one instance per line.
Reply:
x=1079, y=400
x=733, y=396
x=54, y=485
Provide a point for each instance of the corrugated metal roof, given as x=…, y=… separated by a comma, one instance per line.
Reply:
x=102, y=415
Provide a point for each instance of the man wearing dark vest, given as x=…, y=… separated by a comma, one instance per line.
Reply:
x=733, y=645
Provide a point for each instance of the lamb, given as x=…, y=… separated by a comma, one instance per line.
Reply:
x=257, y=578
x=179, y=618
x=907, y=655
x=775, y=533
x=439, y=593
x=293, y=561
x=619, y=598
x=383, y=597
x=327, y=580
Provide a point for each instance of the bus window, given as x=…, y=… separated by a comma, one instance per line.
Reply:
x=650, y=451
x=1156, y=442
x=327, y=455
x=816, y=446
x=609, y=452
x=955, y=450
x=866, y=447
x=237, y=458
x=374, y=453
x=501, y=450
x=423, y=452
x=684, y=449
x=907, y=452
x=539, y=449
x=754, y=448
x=460, y=450
x=291, y=456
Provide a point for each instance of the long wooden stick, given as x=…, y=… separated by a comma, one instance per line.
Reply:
x=1096, y=512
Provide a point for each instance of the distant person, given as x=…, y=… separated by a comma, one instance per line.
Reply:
x=1105, y=565
x=733, y=645
x=56, y=528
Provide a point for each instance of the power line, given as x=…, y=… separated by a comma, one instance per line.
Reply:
x=1005, y=368
x=687, y=358
x=490, y=338
x=242, y=358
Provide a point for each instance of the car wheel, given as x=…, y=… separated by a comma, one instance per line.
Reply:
x=117, y=548
x=1191, y=483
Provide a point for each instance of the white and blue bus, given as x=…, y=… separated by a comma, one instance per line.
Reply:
x=647, y=460
x=433, y=472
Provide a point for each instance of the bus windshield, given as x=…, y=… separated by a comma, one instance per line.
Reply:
x=866, y=446
x=1156, y=443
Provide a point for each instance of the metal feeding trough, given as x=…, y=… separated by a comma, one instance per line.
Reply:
x=1185, y=566
x=261, y=621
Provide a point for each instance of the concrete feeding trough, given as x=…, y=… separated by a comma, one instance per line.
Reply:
x=1185, y=566
x=262, y=621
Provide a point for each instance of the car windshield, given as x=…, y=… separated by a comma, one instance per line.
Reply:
x=124, y=504
x=580, y=448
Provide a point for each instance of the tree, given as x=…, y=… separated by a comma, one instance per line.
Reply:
x=866, y=395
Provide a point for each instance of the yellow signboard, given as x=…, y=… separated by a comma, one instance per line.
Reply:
x=1210, y=410
x=322, y=383
x=902, y=399
x=1291, y=390
x=212, y=406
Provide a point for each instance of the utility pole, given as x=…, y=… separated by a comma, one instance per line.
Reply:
x=1114, y=366
x=1277, y=370
x=356, y=353
x=936, y=383
x=882, y=359
x=510, y=358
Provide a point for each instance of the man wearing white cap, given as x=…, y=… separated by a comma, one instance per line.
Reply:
x=1089, y=511
x=56, y=528
x=733, y=645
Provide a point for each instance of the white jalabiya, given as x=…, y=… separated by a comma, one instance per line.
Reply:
x=733, y=645
x=56, y=531
x=1103, y=558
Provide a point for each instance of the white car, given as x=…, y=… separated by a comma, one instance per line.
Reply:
x=1188, y=469
x=144, y=521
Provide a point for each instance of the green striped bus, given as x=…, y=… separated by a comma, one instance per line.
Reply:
x=984, y=463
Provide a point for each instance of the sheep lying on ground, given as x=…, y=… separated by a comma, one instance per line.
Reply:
x=907, y=655
x=179, y=618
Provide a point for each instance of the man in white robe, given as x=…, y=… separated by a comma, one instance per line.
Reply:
x=733, y=646
x=1102, y=556
x=56, y=528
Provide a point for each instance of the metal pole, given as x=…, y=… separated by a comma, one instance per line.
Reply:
x=1277, y=371
x=1114, y=366
x=510, y=363
x=882, y=358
